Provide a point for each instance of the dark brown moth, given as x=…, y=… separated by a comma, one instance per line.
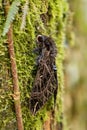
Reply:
x=45, y=83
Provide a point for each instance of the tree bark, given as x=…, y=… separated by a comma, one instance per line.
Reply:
x=47, y=123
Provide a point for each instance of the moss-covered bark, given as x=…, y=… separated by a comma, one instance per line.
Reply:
x=43, y=17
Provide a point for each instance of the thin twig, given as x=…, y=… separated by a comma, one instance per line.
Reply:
x=16, y=94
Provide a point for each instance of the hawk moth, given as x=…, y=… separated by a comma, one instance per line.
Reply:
x=45, y=83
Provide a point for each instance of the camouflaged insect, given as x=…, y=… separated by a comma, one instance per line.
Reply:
x=45, y=83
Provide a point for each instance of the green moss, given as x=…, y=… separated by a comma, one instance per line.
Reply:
x=44, y=17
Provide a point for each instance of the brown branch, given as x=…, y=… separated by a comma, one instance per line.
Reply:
x=16, y=94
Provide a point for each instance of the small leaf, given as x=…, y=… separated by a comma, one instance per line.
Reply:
x=25, y=11
x=11, y=15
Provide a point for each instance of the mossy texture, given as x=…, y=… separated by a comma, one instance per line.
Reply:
x=43, y=17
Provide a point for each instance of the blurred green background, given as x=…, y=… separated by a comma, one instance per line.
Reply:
x=75, y=97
